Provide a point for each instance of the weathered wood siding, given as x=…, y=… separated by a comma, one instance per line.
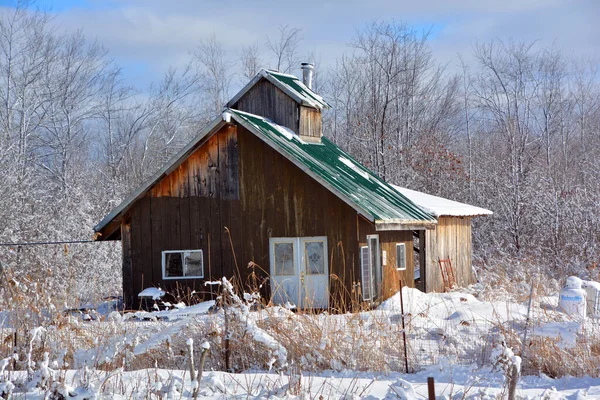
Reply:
x=236, y=181
x=450, y=239
x=311, y=123
x=387, y=242
x=268, y=101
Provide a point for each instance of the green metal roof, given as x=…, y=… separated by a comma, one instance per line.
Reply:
x=289, y=84
x=296, y=85
x=338, y=171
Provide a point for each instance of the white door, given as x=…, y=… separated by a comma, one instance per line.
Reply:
x=300, y=272
x=285, y=280
x=314, y=272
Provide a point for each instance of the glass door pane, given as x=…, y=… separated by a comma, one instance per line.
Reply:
x=284, y=258
x=315, y=258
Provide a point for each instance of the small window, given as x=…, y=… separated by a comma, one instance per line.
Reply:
x=182, y=264
x=400, y=256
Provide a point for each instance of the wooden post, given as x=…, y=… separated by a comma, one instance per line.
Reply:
x=403, y=329
x=430, y=388
x=512, y=384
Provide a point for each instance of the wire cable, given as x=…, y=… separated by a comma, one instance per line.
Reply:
x=47, y=243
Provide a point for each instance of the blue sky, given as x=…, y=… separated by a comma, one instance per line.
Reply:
x=146, y=37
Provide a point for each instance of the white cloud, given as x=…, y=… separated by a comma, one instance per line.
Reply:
x=158, y=34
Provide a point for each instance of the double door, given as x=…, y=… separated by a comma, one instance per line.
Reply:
x=300, y=272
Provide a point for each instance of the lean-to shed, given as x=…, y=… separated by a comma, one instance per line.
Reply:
x=450, y=239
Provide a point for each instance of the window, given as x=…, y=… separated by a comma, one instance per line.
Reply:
x=284, y=258
x=182, y=264
x=367, y=273
x=373, y=258
x=400, y=256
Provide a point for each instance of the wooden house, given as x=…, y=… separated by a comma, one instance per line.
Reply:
x=449, y=240
x=261, y=184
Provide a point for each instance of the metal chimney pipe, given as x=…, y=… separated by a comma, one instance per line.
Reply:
x=307, y=74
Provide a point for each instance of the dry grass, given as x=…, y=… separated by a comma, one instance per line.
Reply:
x=314, y=341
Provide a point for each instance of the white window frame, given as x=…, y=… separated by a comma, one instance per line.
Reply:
x=183, y=254
x=401, y=266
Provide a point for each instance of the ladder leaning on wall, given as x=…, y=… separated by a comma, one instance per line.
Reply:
x=448, y=275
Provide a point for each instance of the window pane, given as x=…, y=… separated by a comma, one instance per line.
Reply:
x=400, y=256
x=193, y=263
x=315, y=260
x=284, y=259
x=173, y=265
x=374, y=253
x=367, y=273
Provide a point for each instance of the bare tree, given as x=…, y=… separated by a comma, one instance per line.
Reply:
x=210, y=56
x=285, y=47
x=250, y=61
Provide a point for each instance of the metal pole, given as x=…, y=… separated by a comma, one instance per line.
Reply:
x=403, y=328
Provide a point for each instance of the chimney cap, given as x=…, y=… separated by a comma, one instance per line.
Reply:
x=307, y=74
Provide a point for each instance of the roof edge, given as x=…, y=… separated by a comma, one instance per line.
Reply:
x=440, y=206
x=401, y=225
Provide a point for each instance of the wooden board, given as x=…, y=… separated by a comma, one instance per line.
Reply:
x=310, y=123
x=127, y=261
x=450, y=239
x=267, y=100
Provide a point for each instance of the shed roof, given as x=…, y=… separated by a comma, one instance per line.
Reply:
x=440, y=207
x=339, y=172
x=354, y=184
x=289, y=84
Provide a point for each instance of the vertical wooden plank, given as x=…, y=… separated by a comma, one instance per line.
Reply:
x=270, y=185
x=127, y=253
x=139, y=244
x=184, y=217
x=214, y=217
x=192, y=174
x=183, y=180
x=148, y=244
x=195, y=223
x=154, y=275
x=224, y=203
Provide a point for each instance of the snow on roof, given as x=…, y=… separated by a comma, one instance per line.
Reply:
x=439, y=206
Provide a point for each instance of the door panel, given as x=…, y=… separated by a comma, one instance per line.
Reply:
x=314, y=277
x=284, y=271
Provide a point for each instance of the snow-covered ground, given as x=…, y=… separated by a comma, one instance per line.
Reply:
x=454, y=337
x=451, y=382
